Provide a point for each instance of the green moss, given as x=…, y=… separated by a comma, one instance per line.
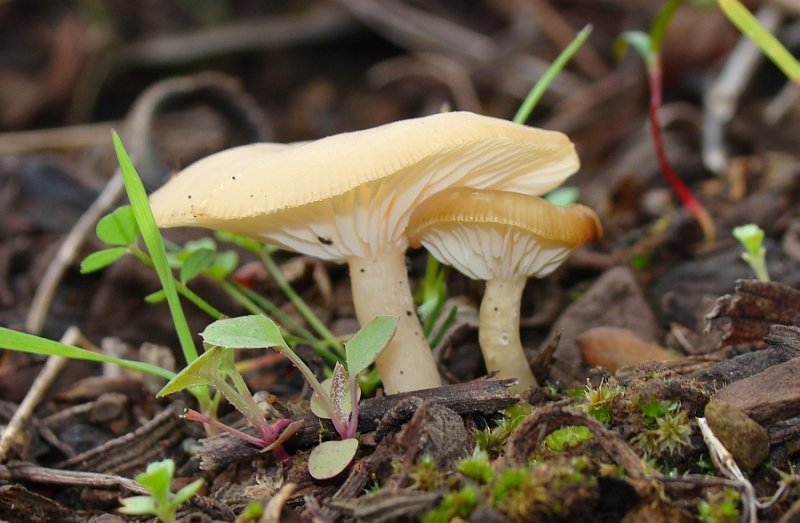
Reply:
x=719, y=507
x=454, y=504
x=477, y=467
x=426, y=475
x=569, y=436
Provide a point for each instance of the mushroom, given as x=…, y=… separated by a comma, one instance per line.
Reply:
x=502, y=238
x=348, y=197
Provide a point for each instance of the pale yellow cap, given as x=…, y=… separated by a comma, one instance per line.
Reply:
x=351, y=194
x=487, y=234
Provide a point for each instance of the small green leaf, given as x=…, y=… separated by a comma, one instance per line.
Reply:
x=156, y=297
x=223, y=265
x=197, y=261
x=187, y=492
x=102, y=259
x=329, y=458
x=639, y=40
x=201, y=371
x=118, y=227
x=138, y=506
x=200, y=243
x=751, y=236
x=158, y=477
x=366, y=344
x=245, y=332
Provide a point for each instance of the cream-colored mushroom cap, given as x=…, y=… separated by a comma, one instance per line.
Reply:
x=351, y=194
x=495, y=234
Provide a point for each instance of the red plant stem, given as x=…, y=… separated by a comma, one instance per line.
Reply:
x=685, y=194
x=269, y=433
x=193, y=415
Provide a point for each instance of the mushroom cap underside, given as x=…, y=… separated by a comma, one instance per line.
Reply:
x=494, y=234
x=349, y=193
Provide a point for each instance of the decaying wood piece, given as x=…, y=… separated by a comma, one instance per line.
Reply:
x=745, y=317
x=475, y=397
x=134, y=450
x=783, y=344
x=23, y=505
x=769, y=396
x=387, y=505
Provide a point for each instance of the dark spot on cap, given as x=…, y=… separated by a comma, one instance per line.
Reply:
x=408, y=313
x=362, y=270
x=325, y=241
x=233, y=177
x=190, y=196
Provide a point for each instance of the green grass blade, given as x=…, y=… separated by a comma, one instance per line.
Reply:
x=22, y=342
x=155, y=246
x=770, y=46
x=524, y=111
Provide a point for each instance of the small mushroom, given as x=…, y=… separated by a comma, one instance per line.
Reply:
x=502, y=238
x=348, y=198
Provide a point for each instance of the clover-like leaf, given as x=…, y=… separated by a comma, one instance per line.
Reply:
x=102, y=259
x=224, y=263
x=118, y=227
x=245, y=332
x=329, y=458
x=198, y=261
x=366, y=344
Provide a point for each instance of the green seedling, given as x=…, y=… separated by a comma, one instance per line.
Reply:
x=769, y=45
x=751, y=237
x=337, y=401
x=216, y=368
x=649, y=46
x=161, y=502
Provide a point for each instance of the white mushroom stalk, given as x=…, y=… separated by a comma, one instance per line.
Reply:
x=502, y=238
x=499, y=331
x=348, y=198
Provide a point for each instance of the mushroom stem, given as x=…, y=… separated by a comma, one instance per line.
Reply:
x=380, y=287
x=499, y=332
